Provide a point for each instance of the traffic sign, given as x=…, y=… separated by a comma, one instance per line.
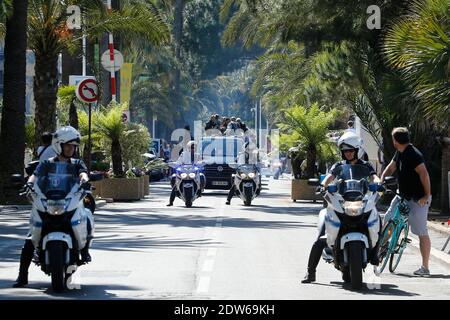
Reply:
x=87, y=91
x=74, y=80
x=118, y=60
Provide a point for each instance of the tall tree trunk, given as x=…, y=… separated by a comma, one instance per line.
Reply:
x=116, y=155
x=12, y=137
x=444, y=175
x=45, y=91
x=73, y=116
x=311, y=161
x=178, y=34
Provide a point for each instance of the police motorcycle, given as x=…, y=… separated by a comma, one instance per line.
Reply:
x=247, y=182
x=59, y=223
x=187, y=182
x=352, y=222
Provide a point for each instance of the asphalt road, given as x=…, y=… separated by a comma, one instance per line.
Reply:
x=145, y=250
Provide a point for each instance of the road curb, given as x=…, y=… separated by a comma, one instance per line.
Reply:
x=435, y=254
x=438, y=227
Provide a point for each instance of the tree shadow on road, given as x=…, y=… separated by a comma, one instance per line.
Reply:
x=309, y=210
x=140, y=243
x=118, y=218
x=40, y=290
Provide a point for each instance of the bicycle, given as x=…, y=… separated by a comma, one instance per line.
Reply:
x=394, y=237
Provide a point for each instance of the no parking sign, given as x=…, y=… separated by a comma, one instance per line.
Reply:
x=87, y=91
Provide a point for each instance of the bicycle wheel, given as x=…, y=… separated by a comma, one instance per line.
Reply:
x=399, y=247
x=384, y=248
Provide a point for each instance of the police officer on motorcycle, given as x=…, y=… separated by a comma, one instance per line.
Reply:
x=188, y=156
x=65, y=142
x=350, y=145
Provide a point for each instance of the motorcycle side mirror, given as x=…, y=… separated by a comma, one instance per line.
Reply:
x=373, y=187
x=390, y=181
x=17, y=181
x=313, y=182
x=332, y=188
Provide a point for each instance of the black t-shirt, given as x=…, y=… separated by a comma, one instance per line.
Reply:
x=335, y=168
x=408, y=180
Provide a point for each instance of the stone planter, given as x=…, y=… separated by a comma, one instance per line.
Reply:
x=146, y=185
x=141, y=187
x=98, y=188
x=302, y=191
x=122, y=189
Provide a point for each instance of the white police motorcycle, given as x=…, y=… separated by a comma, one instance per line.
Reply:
x=58, y=223
x=187, y=182
x=352, y=222
x=247, y=182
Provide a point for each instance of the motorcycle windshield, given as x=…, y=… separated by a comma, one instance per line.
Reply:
x=353, y=181
x=187, y=168
x=58, y=181
x=247, y=168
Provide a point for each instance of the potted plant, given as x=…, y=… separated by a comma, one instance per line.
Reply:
x=108, y=125
x=306, y=128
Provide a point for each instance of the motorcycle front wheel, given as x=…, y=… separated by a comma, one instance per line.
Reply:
x=248, y=197
x=56, y=255
x=356, y=268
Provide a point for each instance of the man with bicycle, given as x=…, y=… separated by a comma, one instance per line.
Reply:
x=414, y=186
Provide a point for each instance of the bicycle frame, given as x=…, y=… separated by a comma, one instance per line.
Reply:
x=399, y=220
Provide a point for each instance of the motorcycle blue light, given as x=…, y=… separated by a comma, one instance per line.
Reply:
x=373, y=187
x=332, y=188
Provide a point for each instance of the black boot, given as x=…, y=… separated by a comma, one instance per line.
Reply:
x=25, y=260
x=21, y=281
x=85, y=256
x=310, y=277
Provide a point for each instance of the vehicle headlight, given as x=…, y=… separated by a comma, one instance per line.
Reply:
x=56, y=207
x=353, y=208
x=243, y=175
x=192, y=175
x=251, y=175
x=184, y=175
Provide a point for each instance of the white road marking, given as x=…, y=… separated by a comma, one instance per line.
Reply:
x=208, y=265
x=203, y=284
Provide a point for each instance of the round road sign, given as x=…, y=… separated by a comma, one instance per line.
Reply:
x=87, y=91
x=106, y=60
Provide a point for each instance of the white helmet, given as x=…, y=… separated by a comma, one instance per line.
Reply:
x=64, y=135
x=350, y=141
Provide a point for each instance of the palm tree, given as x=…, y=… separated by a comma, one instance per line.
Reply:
x=12, y=139
x=308, y=128
x=418, y=45
x=49, y=36
x=109, y=126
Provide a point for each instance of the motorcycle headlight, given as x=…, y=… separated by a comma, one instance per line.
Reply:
x=251, y=175
x=56, y=207
x=184, y=175
x=192, y=175
x=243, y=175
x=353, y=208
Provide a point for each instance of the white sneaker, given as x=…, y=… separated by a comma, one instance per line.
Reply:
x=422, y=271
